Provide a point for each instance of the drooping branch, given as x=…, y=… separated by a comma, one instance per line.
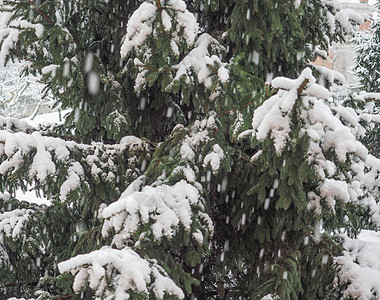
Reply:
x=40, y=160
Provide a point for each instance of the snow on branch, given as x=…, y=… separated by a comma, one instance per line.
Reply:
x=302, y=102
x=196, y=137
x=331, y=76
x=334, y=135
x=12, y=222
x=318, y=51
x=127, y=271
x=163, y=208
x=139, y=28
x=371, y=178
x=325, y=130
x=48, y=157
x=214, y=158
x=167, y=212
x=199, y=63
x=199, y=133
x=359, y=269
x=297, y=3
x=15, y=125
x=14, y=147
x=141, y=25
x=348, y=18
x=149, y=25
x=345, y=20
x=358, y=113
x=10, y=31
x=359, y=118
x=273, y=118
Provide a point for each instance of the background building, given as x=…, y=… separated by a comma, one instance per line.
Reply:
x=341, y=56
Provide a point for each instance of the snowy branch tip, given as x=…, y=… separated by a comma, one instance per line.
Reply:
x=133, y=274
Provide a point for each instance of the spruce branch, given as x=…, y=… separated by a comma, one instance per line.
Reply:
x=51, y=21
x=225, y=112
x=159, y=4
x=168, y=70
x=64, y=297
x=214, y=85
x=146, y=67
x=212, y=68
x=41, y=12
x=302, y=87
x=241, y=106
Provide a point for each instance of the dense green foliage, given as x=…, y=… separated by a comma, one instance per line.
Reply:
x=85, y=37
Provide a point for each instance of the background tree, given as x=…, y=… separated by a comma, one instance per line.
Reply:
x=367, y=69
x=161, y=185
x=367, y=58
x=20, y=95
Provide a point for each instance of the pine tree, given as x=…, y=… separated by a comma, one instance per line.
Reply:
x=178, y=173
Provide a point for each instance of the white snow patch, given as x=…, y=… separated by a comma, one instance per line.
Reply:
x=359, y=268
x=134, y=274
x=214, y=158
x=165, y=206
x=11, y=222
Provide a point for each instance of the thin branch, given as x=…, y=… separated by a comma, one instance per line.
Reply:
x=302, y=87
x=51, y=21
x=234, y=109
x=146, y=67
x=41, y=12
x=168, y=70
x=159, y=4
x=64, y=297
x=212, y=68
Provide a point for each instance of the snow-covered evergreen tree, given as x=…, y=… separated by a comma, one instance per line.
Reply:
x=367, y=58
x=178, y=173
x=20, y=96
x=367, y=69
